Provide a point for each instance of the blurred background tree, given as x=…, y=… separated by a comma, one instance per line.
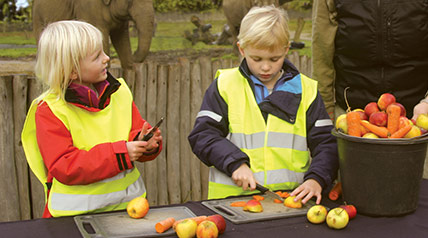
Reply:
x=185, y=5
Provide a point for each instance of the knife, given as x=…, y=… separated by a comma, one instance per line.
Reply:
x=266, y=191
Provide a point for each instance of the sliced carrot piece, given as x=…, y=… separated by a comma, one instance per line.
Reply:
x=238, y=204
x=285, y=195
x=258, y=198
x=277, y=201
x=164, y=225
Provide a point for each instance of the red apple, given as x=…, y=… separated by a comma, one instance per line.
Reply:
x=137, y=207
x=384, y=101
x=379, y=118
x=351, y=210
x=253, y=206
x=403, y=109
x=207, y=229
x=371, y=108
x=219, y=222
x=363, y=115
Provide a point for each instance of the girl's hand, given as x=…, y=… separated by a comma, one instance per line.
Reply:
x=153, y=142
x=307, y=190
x=243, y=177
x=136, y=149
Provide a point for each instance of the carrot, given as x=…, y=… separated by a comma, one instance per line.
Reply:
x=164, y=225
x=378, y=130
x=238, y=204
x=401, y=132
x=353, y=119
x=285, y=195
x=277, y=201
x=335, y=192
x=198, y=220
x=393, y=112
x=258, y=198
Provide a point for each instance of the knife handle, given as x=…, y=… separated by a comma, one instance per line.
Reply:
x=261, y=188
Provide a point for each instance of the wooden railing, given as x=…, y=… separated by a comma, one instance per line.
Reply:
x=161, y=87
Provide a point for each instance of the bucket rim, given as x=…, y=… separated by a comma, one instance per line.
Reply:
x=399, y=141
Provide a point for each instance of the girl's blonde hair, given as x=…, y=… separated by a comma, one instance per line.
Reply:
x=264, y=28
x=62, y=45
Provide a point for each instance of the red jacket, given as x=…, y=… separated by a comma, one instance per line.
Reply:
x=77, y=167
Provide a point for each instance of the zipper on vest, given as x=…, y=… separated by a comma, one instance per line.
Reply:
x=380, y=39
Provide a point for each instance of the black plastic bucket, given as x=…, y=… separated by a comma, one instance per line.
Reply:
x=381, y=177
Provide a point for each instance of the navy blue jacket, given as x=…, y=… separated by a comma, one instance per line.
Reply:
x=208, y=137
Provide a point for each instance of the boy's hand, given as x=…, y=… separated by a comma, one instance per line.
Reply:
x=307, y=190
x=243, y=177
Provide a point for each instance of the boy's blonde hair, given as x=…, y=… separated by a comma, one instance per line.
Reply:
x=62, y=45
x=264, y=28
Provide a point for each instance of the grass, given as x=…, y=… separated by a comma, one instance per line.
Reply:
x=168, y=36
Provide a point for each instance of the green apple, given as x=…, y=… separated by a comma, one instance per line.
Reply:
x=422, y=121
x=337, y=218
x=317, y=214
x=370, y=135
x=186, y=228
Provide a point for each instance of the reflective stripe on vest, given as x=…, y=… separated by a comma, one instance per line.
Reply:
x=87, y=130
x=277, y=149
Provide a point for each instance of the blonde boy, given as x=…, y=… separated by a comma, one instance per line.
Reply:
x=262, y=121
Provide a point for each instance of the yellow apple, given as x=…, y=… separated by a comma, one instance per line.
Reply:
x=341, y=124
x=415, y=131
x=289, y=202
x=370, y=135
x=422, y=121
x=317, y=214
x=186, y=228
x=137, y=207
x=337, y=218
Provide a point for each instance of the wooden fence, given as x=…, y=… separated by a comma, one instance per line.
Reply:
x=169, y=88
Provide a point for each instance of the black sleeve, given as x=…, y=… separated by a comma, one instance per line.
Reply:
x=322, y=144
x=208, y=137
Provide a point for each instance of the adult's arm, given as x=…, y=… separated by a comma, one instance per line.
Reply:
x=324, y=27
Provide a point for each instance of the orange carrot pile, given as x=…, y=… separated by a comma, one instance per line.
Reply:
x=393, y=123
x=378, y=130
x=164, y=225
x=401, y=132
x=335, y=192
x=353, y=120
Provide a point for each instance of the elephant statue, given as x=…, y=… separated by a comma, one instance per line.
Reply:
x=111, y=17
x=235, y=10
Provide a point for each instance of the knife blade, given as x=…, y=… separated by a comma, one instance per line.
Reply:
x=268, y=192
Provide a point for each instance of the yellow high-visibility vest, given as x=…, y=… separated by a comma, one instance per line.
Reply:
x=277, y=149
x=87, y=129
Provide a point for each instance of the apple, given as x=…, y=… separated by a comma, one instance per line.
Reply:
x=414, y=131
x=337, y=218
x=341, y=124
x=351, y=210
x=403, y=109
x=253, y=206
x=186, y=228
x=404, y=121
x=379, y=118
x=370, y=135
x=137, y=207
x=371, y=108
x=289, y=202
x=362, y=113
x=207, y=229
x=422, y=121
x=317, y=214
x=219, y=222
x=385, y=100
